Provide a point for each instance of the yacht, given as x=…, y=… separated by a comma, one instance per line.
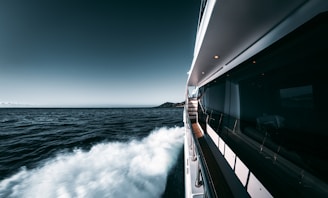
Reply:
x=257, y=100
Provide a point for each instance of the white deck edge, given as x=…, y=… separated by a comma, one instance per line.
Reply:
x=190, y=168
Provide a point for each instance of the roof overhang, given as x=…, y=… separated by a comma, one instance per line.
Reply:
x=237, y=30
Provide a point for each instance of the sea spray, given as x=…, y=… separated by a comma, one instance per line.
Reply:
x=138, y=168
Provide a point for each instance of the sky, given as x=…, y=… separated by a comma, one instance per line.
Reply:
x=63, y=53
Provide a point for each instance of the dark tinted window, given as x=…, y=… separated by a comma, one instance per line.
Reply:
x=281, y=100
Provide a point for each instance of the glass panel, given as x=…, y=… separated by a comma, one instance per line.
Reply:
x=283, y=100
x=280, y=98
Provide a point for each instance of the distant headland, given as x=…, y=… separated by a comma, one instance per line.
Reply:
x=171, y=105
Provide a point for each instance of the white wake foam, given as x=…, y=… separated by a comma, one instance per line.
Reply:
x=133, y=169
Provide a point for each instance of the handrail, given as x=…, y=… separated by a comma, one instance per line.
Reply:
x=207, y=180
x=276, y=162
x=218, y=178
x=201, y=106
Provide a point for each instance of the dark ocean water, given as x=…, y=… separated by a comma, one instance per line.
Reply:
x=132, y=152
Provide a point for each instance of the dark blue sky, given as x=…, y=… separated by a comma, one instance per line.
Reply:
x=95, y=53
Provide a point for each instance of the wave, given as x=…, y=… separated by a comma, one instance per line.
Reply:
x=138, y=168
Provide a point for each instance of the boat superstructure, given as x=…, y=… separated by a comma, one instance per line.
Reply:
x=257, y=100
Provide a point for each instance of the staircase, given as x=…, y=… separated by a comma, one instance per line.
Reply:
x=192, y=109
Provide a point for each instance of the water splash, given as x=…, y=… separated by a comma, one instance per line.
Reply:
x=132, y=169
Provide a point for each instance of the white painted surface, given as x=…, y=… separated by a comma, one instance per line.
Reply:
x=221, y=146
x=256, y=189
x=214, y=136
x=241, y=171
x=191, y=168
x=230, y=156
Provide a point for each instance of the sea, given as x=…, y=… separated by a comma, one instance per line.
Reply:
x=91, y=152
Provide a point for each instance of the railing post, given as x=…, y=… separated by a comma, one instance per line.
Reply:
x=198, y=182
x=194, y=156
